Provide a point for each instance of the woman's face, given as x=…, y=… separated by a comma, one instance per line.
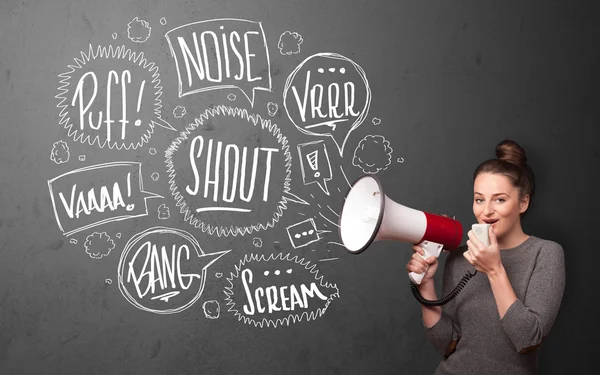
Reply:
x=496, y=201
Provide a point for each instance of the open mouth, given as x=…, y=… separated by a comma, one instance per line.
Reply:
x=490, y=221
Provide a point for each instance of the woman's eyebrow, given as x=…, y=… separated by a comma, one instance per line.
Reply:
x=493, y=195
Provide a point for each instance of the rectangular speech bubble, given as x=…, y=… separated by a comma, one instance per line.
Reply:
x=314, y=164
x=98, y=194
x=221, y=53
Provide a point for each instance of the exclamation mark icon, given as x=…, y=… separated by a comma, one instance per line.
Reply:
x=138, y=122
x=313, y=162
x=314, y=154
x=131, y=206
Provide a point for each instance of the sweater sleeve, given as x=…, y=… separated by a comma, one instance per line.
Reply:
x=445, y=333
x=529, y=320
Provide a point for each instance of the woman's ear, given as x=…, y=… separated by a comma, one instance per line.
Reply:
x=524, y=204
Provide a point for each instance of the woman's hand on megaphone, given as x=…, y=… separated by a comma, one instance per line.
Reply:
x=419, y=265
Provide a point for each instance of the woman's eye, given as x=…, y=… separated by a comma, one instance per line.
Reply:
x=477, y=200
x=501, y=200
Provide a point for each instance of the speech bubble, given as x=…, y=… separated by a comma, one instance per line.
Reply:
x=277, y=290
x=221, y=53
x=314, y=164
x=303, y=233
x=163, y=270
x=327, y=95
x=84, y=198
x=232, y=180
x=111, y=97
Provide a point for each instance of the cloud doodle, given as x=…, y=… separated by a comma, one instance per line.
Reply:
x=212, y=309
x=60, y=152
x=163, y=212
x=98, y=245
x=138, y=30
x=372, y=154
x=179, y=111
x=272, y=108
x=289, y=43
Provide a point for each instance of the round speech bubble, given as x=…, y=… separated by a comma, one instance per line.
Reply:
x=111, y=96
x=229, y=172
x=163, y=270
x=327, y=95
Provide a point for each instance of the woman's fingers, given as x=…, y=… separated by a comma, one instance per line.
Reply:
x=416, y=267
x=418, y=249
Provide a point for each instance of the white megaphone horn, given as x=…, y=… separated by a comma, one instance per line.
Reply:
x=368, y=215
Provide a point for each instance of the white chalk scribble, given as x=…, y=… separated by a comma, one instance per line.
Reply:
x=138, y=30
x=60, y=152
x=98, y=245
x=289, y=43
x=372, y=154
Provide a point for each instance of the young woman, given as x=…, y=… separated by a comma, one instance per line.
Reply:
x=506, y=310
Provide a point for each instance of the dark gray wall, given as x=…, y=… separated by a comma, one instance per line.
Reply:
x=448, y=80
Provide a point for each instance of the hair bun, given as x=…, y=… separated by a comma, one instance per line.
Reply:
x=511, y=152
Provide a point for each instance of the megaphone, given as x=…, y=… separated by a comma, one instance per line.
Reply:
x=368, y=215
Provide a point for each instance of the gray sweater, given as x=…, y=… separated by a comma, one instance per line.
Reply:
x=470, y=334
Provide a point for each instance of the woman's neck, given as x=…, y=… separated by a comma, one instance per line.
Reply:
x=513, y=239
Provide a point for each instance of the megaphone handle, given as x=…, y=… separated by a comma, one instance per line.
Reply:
x=430, y=249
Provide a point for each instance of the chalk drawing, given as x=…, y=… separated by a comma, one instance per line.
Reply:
x=80, y=99
x=327, y=103
x=212, y=190
x=212, y=309
x=373, y=154
x=138, y=30
x=376, y=121
x=335, y=213
x=303, y=233
x=116, y=193
x=314, y=164
x=257, y=242
x=163, y=212
x=272, y=108
x=60, y=152
x=221, y=53
x=163, y=21
x=268, y=300
x=98, y=245
x=289, y=43
x=231, y=97
x=345, y=178
x=332, y=222
x=154, y=176
x=179, y=111
x=163, y=270
x=81, y=157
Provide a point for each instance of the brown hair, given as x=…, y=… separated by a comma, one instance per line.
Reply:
x=511, y=162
